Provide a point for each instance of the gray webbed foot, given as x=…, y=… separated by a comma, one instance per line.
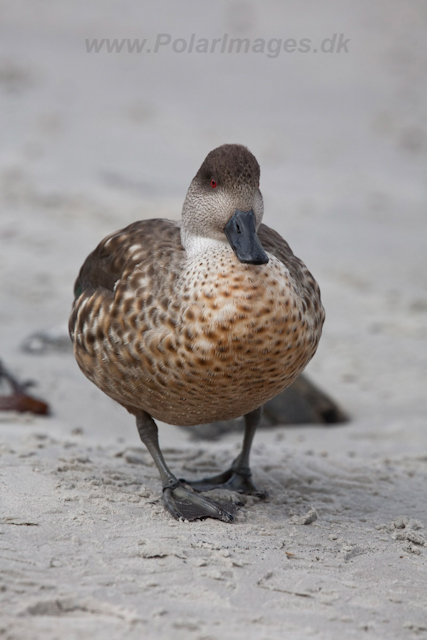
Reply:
x=239, y=480
x=184, y=502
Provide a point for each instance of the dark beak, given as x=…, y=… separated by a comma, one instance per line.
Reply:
x=241, y=234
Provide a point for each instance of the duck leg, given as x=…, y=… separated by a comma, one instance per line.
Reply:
x=239, y=476
x=180, y=500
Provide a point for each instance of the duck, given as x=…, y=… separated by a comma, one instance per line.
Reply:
x=194, y=321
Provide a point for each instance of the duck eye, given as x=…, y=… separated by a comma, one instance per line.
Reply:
x=213, y=183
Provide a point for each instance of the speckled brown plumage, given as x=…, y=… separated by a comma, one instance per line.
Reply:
x=192, y=339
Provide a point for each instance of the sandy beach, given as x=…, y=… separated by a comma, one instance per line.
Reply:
x=94, y=141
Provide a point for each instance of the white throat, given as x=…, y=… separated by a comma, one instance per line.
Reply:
x=196, y=245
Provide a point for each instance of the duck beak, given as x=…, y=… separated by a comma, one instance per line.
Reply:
x=241, y=234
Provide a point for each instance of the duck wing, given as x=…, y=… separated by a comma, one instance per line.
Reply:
x=301, y=276
x=150, y=244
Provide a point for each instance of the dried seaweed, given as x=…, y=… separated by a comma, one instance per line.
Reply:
x=19, y=399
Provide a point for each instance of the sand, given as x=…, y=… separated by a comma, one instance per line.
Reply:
x=91, y=142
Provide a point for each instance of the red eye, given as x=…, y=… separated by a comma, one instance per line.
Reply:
x=213, y=184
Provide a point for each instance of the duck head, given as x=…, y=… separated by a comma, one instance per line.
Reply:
x=224, y=205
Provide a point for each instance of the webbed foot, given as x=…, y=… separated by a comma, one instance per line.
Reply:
x=184, y=502
x=239, y=480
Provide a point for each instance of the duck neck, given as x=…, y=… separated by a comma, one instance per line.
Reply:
x=193, y=230
x=196, y=245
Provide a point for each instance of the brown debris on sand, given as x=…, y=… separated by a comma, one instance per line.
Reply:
x=19, y=400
